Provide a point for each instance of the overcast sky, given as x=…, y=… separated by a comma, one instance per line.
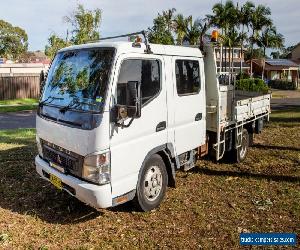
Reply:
x=40, y=18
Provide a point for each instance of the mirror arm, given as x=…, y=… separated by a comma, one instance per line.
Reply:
x=128, y=125
x=122, y=125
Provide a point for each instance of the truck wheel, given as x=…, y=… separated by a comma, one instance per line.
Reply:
x=243, y=149
x=152, y=184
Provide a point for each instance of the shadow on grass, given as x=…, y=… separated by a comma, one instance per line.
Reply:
x=24, y=192
x=285, y=119
x=275, y=147
x=258, y=176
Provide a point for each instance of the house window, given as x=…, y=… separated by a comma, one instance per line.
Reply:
x=147, y=72
x=187, y=77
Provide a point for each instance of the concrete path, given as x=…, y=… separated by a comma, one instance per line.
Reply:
x=14, y=120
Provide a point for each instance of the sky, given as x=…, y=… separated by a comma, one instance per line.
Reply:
x=40, y=18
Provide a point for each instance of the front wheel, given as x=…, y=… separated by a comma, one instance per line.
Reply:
x=152, y=184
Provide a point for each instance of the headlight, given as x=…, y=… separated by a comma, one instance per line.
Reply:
x=39, y=146
x=96, y=168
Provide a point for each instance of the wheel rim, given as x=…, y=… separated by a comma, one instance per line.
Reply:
x=243, y=148
x=153, y=183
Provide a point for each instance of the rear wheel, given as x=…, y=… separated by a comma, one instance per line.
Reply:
x=243, y=149
x=238, y=155
x=152, y=184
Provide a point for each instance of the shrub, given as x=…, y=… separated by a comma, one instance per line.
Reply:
x=242, y=75
x=282, y=84
x=252, y=84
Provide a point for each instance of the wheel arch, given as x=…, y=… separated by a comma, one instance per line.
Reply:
x=166, y=152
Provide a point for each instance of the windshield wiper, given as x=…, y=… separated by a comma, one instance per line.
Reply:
x=74, y=104
x=41, y=104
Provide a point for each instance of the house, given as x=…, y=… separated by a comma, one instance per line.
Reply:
x=35, y=57
x=295, y=54
x=276, y=69
x=237, y=62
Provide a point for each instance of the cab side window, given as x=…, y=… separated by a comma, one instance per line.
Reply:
x=147, y=72
x=187, y=77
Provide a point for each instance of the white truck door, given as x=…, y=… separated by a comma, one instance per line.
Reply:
x=189, y=100
x=129, y=146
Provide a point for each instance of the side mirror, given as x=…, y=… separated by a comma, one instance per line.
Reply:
x=130, y=104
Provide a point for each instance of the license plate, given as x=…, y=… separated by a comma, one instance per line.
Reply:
x=56, y=181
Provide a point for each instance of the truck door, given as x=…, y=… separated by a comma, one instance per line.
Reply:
x=189, y=103
x=129, y=146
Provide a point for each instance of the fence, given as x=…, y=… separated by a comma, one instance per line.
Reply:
x=20, y=80
x=19, y=86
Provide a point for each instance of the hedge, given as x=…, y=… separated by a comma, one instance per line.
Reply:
x=282, y=84
x=253, y=85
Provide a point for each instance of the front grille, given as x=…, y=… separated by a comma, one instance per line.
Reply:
x=69, y=161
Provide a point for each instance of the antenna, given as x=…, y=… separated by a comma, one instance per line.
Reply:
x=143, y=32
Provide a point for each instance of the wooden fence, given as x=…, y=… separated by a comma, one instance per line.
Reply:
x=19, y=86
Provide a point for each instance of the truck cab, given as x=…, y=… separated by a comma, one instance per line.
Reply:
x=117, y=119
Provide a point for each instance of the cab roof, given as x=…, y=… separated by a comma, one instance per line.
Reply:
x=128, y=47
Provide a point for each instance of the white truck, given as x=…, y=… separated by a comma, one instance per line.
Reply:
x=116, y=120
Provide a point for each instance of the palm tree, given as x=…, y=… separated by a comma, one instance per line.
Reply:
x=231, y=40
x=169, y=18
x=226, y=18
x=259, y=19
x=194, y=30
x=244, y=20
x=269, y=38
x=180, y=26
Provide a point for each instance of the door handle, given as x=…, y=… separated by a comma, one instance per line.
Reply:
x=161, y=126
x=198, y=117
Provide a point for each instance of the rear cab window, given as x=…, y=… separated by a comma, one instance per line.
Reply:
x=188, y=80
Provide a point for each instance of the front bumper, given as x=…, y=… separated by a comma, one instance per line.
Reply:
x=91, y=194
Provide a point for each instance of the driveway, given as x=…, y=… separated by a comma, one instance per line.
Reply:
x=25, y=119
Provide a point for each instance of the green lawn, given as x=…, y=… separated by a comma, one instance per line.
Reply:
x=24, y=101
x=211, y=205
x=18, y=105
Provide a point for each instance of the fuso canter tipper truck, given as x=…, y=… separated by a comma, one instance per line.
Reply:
x=116, y=120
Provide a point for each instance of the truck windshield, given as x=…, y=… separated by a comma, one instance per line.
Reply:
x=78, y=79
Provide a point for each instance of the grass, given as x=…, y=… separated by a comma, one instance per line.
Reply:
x=278, y=96
x=24, y=101
x=211, y=205
x=18, y=105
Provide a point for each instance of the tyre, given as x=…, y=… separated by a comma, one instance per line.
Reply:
x=152, y=184
x=238, y=155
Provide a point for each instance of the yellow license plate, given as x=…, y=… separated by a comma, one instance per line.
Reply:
x=56, y=181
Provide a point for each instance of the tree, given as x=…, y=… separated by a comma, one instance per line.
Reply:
x=180, y=27
x=85, y=27
x=225, y=16
x=269, y=38
x=259, y=19
x=85, y=24
x=193, y=30
x=55, y=43
x=283, y=53
x=13, y=41
x=161, y=31
x=168, y=15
